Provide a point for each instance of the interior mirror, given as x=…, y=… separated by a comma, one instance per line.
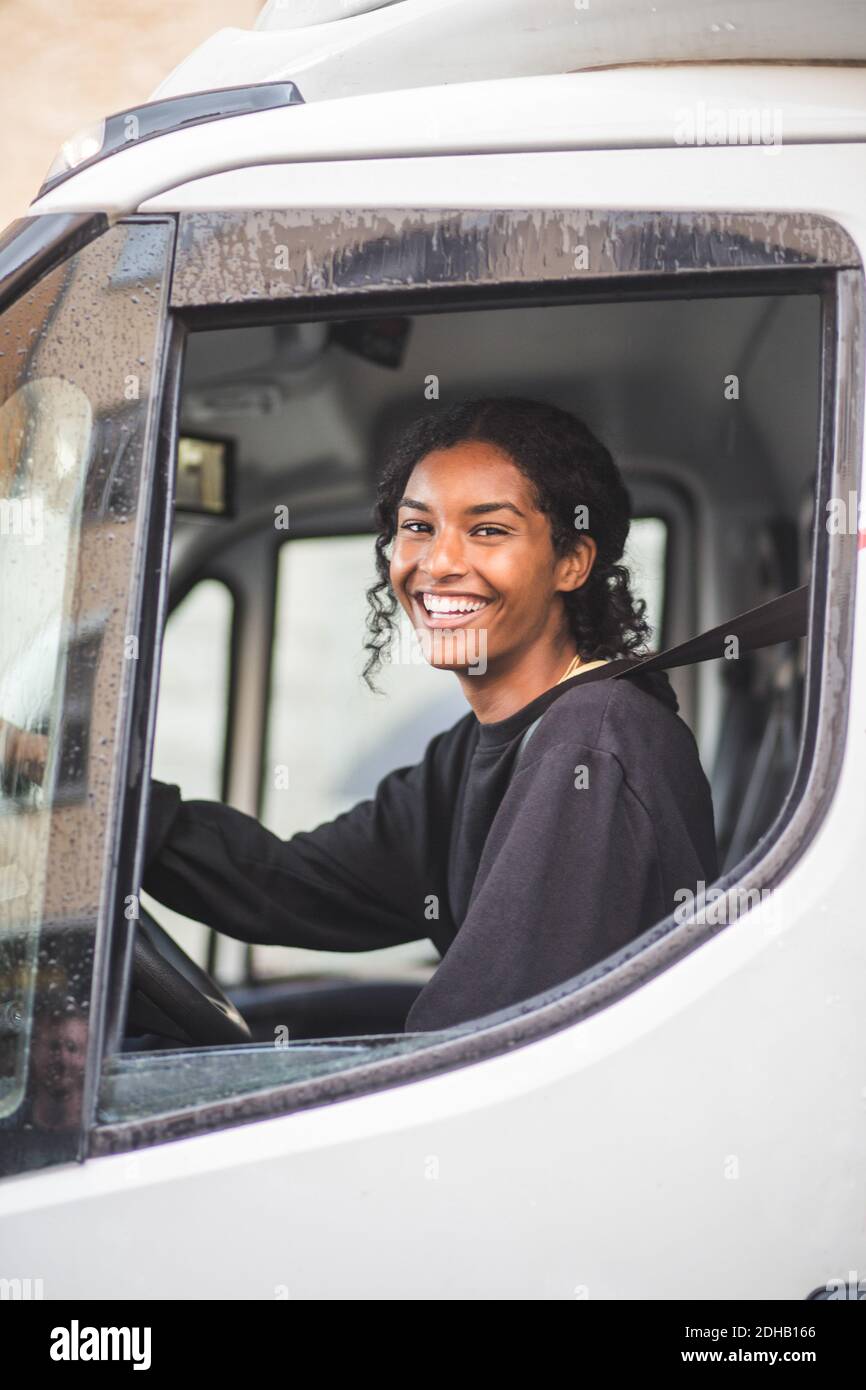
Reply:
x=205, y=475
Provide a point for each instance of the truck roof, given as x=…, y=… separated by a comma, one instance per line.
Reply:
x=336, y=48
x=391, y=79
x=614, y=110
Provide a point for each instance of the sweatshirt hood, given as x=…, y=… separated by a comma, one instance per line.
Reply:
x=657, y=683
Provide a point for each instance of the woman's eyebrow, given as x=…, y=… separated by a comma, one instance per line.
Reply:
x=479, y=509
x=493, y=507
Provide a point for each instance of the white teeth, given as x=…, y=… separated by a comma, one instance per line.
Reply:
x=440, y=603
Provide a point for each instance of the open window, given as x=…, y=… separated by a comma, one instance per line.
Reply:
x=715, y=356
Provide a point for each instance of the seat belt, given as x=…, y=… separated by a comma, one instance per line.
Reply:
x=781, y=619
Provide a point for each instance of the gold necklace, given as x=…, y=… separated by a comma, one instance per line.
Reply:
x=576, y=665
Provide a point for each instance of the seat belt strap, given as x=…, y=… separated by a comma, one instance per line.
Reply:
x=526, y=737
x=781, y=619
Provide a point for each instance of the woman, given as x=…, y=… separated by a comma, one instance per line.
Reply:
x=555, y=821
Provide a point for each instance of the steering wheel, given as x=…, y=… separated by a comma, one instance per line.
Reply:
x=174, y=997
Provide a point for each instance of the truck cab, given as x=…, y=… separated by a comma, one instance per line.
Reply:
x=220, y=307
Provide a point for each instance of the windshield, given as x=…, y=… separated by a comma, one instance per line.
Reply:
x=45, y=440
x=76, y=355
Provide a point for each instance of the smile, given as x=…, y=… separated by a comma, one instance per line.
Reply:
x=450, y=610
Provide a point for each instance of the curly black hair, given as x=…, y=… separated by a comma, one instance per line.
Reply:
x=568, y=467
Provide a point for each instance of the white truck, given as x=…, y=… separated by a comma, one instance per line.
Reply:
x=218, y=305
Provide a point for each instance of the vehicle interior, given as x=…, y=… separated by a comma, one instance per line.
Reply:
x=709, y=404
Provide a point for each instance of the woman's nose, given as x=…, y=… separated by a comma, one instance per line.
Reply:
x=444, y=555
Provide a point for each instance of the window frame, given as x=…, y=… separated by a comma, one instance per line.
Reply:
x=773, y=253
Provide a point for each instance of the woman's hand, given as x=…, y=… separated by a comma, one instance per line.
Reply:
x=22, y=752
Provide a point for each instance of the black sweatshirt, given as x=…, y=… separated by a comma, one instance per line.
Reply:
x=521, y=876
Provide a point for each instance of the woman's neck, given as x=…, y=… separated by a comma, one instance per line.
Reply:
x=504, y=689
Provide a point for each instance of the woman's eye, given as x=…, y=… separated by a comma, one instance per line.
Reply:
x=423, y=527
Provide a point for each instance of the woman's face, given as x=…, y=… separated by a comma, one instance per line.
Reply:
x=473, y=556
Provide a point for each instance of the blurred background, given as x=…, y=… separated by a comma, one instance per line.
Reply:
x=72, y=63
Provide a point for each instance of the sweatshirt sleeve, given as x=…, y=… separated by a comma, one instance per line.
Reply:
x=573, y=869
x=353, y=884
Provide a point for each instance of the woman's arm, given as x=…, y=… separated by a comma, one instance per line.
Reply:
x=356, y=883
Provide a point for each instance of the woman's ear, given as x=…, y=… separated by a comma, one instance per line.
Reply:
x=573, y=569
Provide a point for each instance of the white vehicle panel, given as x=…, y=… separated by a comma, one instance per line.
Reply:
x=362, y=47
x=596, y=1162
x=630, y=109
x=812, y=178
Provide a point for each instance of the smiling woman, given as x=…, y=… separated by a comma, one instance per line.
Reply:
x=532, y=572
x=504, y=520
